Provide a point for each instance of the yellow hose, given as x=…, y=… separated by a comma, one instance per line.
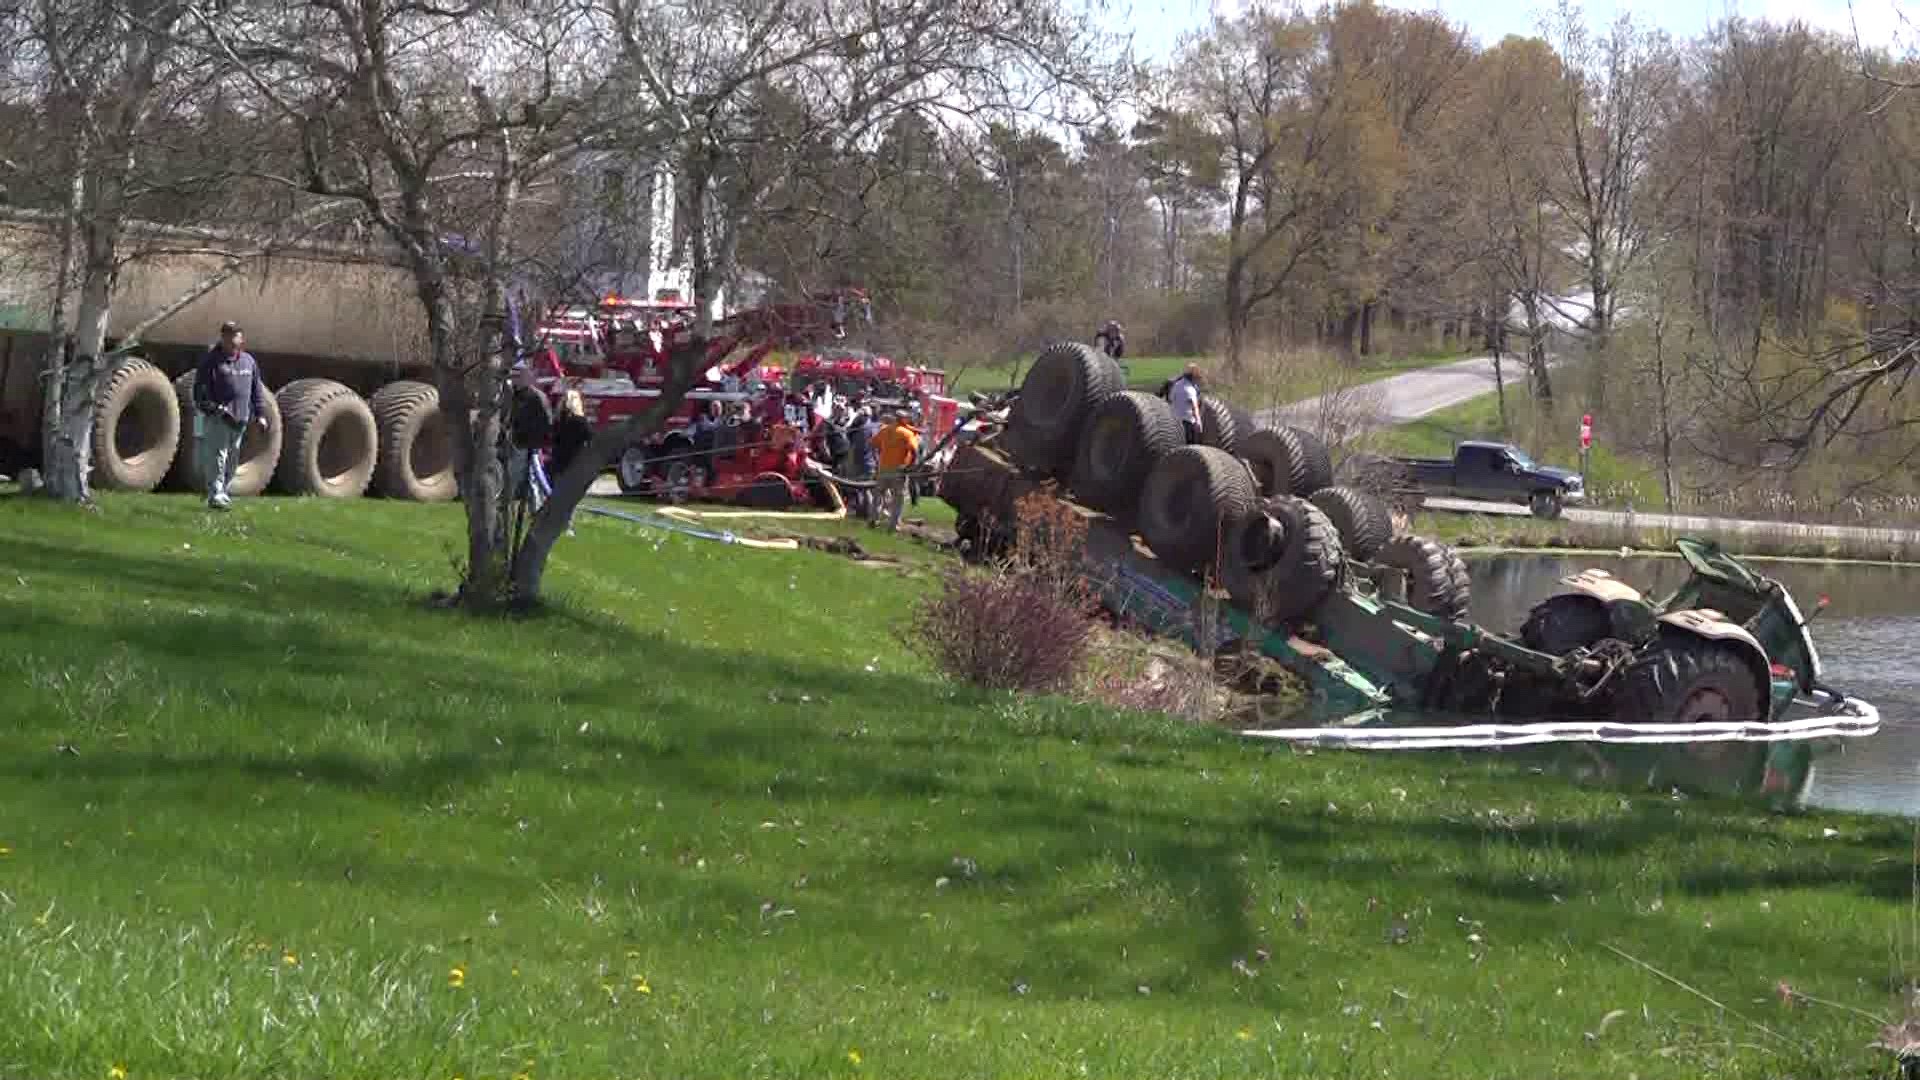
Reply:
x=787, y=515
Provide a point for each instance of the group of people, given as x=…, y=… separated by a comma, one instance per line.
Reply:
x=871, y=445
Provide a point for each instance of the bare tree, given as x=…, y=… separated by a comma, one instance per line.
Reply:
x=1610, y=106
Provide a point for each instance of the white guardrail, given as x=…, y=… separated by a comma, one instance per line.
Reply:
x=1859, y=720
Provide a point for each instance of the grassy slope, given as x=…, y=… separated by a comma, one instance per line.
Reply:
x=706, y=821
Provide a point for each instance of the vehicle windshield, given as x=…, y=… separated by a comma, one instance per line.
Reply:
x=1520, y=457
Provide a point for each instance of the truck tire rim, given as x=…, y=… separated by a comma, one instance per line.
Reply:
x=679, y=480
x=633, y=466
x=1704, y=705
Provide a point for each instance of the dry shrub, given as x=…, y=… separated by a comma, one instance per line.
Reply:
x=1026, y=624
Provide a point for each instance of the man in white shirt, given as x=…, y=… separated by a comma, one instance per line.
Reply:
x=1185, y=396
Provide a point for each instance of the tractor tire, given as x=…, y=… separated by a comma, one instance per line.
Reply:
x=1318, y=465
x=1121, y=442
x=1684, y=680
x=1384, y=479
x=1278, y=461
x=1560, y=624
x=1066, y=383
x=1220, y=425
x=259, y=453
x=1364, y=523
x=416, y=449
x=1462, y=580
x=1278, y=583
x=767, y=491
x=1433, y=586
x=332, y=441
x=136, y=427
x=1192, y=499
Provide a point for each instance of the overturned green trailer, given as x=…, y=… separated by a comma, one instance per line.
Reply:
x=1195, y=543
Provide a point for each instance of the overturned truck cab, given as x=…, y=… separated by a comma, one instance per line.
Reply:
x=1725, y=664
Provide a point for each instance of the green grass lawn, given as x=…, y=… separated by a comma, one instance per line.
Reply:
x=265, y=814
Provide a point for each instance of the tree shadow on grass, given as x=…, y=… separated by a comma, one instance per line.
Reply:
x=699, y=721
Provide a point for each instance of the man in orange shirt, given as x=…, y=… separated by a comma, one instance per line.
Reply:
x=899, y=446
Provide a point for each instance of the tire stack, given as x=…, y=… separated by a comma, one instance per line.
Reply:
x=322, y=438
x=1253, y=503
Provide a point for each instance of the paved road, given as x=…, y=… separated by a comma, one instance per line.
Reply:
x=1401, y=398
x=1404, y=398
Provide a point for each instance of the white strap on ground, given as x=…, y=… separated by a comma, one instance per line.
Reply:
x=1861, y=720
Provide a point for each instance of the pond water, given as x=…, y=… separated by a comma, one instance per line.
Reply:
x=1869, y=642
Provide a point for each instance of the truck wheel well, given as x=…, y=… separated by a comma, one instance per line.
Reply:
x=1680, y=637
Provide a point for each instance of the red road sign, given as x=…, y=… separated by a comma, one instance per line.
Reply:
x=1586, y=431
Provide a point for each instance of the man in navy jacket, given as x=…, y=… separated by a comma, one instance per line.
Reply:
x=229, y=395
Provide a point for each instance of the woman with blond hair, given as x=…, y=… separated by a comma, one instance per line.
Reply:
x=571, y=434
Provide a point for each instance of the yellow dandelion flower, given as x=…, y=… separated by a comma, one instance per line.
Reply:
x=457, y=977
x=640, y=985
x=854, y=1056
x=118, y=1072
x=516, y=972
x=1243, y=1034
x=633, y=954
x=290, y=958
x=5, y=851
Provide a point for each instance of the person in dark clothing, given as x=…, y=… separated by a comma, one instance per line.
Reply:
x=571, y=431
x=862, y=455
x=228, y=395
x=529, y=424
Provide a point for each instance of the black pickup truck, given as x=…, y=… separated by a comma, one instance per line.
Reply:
x=1493, y=472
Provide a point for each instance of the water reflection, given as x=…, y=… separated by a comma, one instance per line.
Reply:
x=1869, y=642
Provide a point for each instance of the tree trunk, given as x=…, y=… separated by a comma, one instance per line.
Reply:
x=1537, y=351
x=1366, y=327
x=53, y=366
x=71, y=460
x=1500, y=385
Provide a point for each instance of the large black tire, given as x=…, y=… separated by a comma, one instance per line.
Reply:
x=1561, y=624
x=1282, y=560
x=1318, y=463
x=259, y=451
x=1278, y=461
x=1364, y=522
x=332, y=441
x=1193, y=497
x=136, y=427
x=1220, y=425
x=415, y=461
x=1545, y=505
x=1119, y=445
x=1433, y=586
x=1066, y=383
x=1684, y=679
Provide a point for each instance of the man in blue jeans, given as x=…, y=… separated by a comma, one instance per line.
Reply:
x=228, y=395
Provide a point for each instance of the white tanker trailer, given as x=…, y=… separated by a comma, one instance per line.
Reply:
x=340, y=337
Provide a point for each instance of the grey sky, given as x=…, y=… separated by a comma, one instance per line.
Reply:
x=1158, y=24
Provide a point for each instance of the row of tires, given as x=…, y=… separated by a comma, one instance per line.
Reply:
x=322, y=438
x=1255, y=503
